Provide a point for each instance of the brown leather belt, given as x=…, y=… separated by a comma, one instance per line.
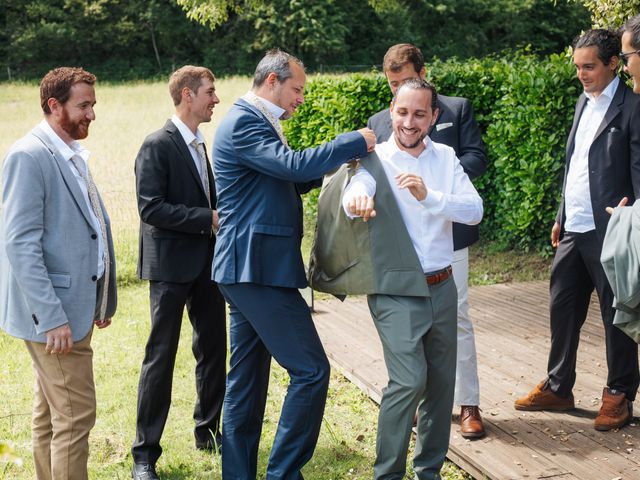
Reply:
x=438, y=276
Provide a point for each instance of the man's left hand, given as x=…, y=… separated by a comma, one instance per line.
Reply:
x=102, y=323
x=622, y=203
x=215, y=222
x=414, y=183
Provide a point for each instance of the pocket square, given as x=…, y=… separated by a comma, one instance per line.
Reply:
x=442, y=126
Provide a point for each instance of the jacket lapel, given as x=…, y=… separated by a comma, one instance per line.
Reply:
x=613, y=110
x=185, y=153
x=67, y=175
x=246, y=105
x=582, y=101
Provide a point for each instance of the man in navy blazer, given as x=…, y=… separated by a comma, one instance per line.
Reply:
x=455, y=127
x=602, y=168
x=259, y=269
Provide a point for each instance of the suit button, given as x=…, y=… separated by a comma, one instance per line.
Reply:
x=94, y=278
x=94, y=236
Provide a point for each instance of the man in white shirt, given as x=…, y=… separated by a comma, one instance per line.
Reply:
x=418, y=332
x=178, y=220
x=57, y=269
x=603, y=168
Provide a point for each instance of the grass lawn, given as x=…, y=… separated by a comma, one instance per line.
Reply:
x=125, y=115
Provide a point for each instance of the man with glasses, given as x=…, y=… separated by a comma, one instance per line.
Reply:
x=603, y=167
x=630, y=54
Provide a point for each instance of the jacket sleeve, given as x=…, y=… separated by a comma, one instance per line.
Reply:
x=471, y=154
x=259, y=148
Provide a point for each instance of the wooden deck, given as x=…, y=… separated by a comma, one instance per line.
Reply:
x=512, y=339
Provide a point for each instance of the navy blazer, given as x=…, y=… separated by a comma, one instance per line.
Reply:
x=258, y=182
x=614, y=157
x=456, y=128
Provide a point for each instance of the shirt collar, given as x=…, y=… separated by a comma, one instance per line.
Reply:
x=186, y=132
x=66, y=150
x=274, y=109
x=608, y=92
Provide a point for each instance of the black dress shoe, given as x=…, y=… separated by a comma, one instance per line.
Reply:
x=213, y=444
x=144, y=471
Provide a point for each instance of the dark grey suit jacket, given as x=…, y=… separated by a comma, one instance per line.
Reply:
x=614, y=157
x=456, y=128
x=176, y=244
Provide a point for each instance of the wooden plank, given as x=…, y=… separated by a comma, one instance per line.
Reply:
x=512, y=339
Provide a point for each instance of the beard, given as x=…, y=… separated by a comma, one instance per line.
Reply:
x=75, y=129
x=414, y=144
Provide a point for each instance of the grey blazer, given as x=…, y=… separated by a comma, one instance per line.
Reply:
x=457, y=128
x=48, y=245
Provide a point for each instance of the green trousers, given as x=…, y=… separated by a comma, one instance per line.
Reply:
x=418, y=337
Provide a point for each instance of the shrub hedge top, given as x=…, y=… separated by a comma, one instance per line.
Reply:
x=524, y=106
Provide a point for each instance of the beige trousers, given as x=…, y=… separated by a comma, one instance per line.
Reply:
x=64, y=411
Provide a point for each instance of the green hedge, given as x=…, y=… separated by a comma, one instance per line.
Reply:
x=524, y=106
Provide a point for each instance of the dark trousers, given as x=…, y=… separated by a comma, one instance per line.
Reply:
x=264, y=322
x=206, y=309
x=575, y=273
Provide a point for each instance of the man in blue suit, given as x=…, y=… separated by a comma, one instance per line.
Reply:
x=258, y=267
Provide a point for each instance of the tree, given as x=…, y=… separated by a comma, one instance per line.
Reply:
x=611, y=13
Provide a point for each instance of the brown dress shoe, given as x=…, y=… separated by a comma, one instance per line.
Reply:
x=616, y=411
x=471, y=422
x=542, y=398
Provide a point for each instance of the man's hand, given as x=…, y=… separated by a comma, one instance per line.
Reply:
x=555, y=235
x=215, y=223
x=370, y=138
x=622, y=203
x=414, y=183
x=59, y=340
x=362, y=206
x=102, y=323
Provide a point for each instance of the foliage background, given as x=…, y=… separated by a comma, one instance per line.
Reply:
x=138, y=39
x=524, y=106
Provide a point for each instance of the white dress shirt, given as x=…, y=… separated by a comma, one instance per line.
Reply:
x=577, y=196
x=69, y=151
x=188, y=137
x=451, y=197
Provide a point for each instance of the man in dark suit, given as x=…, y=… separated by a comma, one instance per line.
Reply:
x=177, y=206
x=258, y=266
x=455, y=127
x=603, y=167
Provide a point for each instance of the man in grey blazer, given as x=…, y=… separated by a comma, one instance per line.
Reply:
x=455, y=127
x=57, y=269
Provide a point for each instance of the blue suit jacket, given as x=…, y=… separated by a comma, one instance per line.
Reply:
x=258, y=182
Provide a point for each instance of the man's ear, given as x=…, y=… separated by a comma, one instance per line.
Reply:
x=423, y=73
x=436, y=114
x=53, y=105
x=186, y=94
x=272, y=78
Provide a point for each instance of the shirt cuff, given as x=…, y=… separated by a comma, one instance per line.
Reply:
x=433, y=199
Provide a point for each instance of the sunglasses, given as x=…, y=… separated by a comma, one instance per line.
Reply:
x=624, y=57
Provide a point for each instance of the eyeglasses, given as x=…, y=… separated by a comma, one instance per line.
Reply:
x=624, y=57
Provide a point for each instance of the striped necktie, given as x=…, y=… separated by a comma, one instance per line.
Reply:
x=97, y=210
x=204, y=173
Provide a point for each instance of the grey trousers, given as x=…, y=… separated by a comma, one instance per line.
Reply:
x=418, y=336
